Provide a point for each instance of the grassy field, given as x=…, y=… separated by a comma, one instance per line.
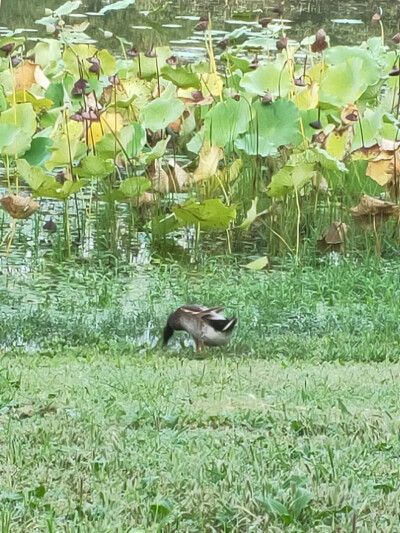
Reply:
x=157, y=443
x=294, y=427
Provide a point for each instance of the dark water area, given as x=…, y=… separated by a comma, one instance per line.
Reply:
x=152, y=23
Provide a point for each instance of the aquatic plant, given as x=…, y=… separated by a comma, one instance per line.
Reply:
x=198, y=143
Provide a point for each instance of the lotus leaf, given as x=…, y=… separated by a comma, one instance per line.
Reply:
x=212, y=214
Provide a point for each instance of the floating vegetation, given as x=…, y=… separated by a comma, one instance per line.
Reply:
x=182, y=144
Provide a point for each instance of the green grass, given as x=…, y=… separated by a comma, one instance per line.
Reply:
x=348, y=312
x=292, y=427
x=152, y=443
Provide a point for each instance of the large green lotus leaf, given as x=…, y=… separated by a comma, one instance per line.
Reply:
x=344, y=83
x=274, y=125
x=8, y=133
x=55, y=93
x=181, y=77
x=341, y=54
x=121, y=4
x=47, y=186
x=107, y=148
x=21, y=115
x=60, y=152
x=75, y=53
x=47, y=52
x=39, y=151
x=226, y=120
x=267, y=78
x=149, y=65
x=212, y=214
x=133, y=139
x=157, y=114
x=290, y=179
x=93, y=166
x=129, y=188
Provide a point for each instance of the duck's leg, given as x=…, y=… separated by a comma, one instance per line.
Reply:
x=199, y=345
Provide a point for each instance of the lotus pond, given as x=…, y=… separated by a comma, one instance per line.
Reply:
x=219, y=152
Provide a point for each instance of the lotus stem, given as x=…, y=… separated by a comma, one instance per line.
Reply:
x=298, y=224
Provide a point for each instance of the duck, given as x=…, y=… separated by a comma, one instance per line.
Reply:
x=206, y=325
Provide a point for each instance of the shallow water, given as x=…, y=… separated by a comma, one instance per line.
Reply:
x=148, y=23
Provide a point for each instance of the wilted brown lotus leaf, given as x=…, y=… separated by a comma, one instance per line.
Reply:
x=27, y=74
x=349, y=114
x=383, y=169
x=319, y=182
x=209, y=157
x=145, y=198
x=333, y=238
x=175, y=126
x=371, y=212
x=179, y=176
x=366, y=153
x=159, y=177
x=19, y=207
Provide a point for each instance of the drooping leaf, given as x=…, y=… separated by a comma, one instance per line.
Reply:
x=212, y=214
x=209, y=157
x=93, y=166
x=157, y=151
x=129, y=188
x=251, y=215
x=181, y=77
x=290, y=179
x=274, y=125
x=44, y=185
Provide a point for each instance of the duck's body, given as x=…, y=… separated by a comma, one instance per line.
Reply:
x=206, y=325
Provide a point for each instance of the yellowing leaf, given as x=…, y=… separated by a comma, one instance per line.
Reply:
x=160, y=179
x=109, y=122
x=382, y=168
x=211, y=84
x=307, y=98
x=209, y=157
x=338, y=142
x=258, y=264
x=28, y=74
